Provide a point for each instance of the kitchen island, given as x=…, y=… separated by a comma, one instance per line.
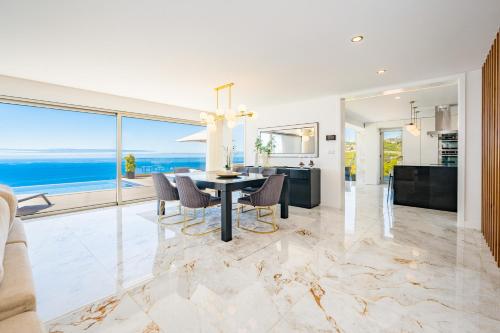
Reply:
x=433, y=187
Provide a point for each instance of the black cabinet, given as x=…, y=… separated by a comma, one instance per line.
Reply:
x=432, y=187
x=305, y=186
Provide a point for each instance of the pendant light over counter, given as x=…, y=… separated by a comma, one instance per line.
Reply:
x=413, y=127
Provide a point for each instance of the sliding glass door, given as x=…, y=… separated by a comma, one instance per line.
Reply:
x=391, y=151
x=69, y=157
x=58, y=159
x=150, y=146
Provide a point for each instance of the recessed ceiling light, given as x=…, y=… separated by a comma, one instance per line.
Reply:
x=397, y=97
x=381, y=71
x=357, y=39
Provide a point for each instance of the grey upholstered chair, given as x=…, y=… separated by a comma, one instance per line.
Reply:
x=192, y=197
x=182, y=170
x=165, y=191
x=266, y=172
x=186, y=170
x=241, y=168
x=254, y=169
x=267, y=197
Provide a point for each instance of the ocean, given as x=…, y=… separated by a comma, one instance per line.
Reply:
x=39, y=171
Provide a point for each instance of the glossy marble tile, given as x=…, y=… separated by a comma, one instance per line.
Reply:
x=372, y=267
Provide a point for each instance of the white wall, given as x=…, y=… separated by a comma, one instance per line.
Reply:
x=328, y=111
x=473, y=146
x=15, y=87
x=417, y=150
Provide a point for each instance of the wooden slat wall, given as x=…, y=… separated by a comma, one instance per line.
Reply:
x=490, y=221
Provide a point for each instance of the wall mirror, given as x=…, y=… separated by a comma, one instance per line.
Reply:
x=292, y=140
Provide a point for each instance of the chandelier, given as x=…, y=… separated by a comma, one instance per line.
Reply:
x=225, y=112
x=412, y=127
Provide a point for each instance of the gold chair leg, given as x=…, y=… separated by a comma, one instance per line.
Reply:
x=162, y=217
x=203, y=219
x=259, y=216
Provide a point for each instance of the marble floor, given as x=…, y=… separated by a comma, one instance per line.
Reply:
x=371, y=268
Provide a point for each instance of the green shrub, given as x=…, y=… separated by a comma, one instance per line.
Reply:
x=130, y=163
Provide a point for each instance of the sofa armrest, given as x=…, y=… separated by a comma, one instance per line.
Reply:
x=17, y=293
x=17, y=234
x=26, y=322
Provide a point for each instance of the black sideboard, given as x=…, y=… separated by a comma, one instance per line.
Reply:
x=433, y=187
x=305, y=186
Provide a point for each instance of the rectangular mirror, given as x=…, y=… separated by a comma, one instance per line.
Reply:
x=293, y=140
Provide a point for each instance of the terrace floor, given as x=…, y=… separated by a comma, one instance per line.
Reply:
x=61, y=202
x=370, y=268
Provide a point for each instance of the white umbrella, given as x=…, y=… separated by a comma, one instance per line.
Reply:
x=196, y=137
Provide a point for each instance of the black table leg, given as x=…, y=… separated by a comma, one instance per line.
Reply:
x=285, y=199
x=226, y=218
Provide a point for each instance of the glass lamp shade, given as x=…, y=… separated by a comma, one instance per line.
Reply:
x=242, y=108
x=231, y=124
x=231, y=117
x=414, y=131
x=203, y=116
x=219, y=112
x=410, y=127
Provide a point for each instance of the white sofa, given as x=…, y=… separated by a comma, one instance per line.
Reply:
x=17, y=293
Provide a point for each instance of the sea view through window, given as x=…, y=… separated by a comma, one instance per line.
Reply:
x=61, y=152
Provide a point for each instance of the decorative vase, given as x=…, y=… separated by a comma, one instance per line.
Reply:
x=265, y=160
x=130, y=175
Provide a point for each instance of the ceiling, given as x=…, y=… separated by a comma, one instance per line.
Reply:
x=276, y=51
x=387, y=107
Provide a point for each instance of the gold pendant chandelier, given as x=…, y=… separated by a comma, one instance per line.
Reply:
x=225, y=113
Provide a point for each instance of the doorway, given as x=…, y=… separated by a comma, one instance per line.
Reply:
x=391, y=151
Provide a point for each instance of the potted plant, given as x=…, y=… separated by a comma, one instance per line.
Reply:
x=130, y=166
x=263, y=150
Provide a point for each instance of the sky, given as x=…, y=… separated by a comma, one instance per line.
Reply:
x=66, y=133
x=350, y=135
x=397, y=133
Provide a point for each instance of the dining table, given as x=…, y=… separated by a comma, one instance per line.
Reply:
x=225, y=188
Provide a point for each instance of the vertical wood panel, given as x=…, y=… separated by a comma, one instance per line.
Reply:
x=490, y=184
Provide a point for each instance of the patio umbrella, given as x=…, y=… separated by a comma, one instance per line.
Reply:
x=196, y=137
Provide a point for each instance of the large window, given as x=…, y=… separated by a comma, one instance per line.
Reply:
x=239, y=144
x=68, y=156
x=158, y=146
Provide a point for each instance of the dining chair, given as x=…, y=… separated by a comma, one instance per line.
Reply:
x=254, y=169
x=165, y=192
x=267, y=197
x=266, y=172
x=242, y=169
x=192, y=197
x=182, y=170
